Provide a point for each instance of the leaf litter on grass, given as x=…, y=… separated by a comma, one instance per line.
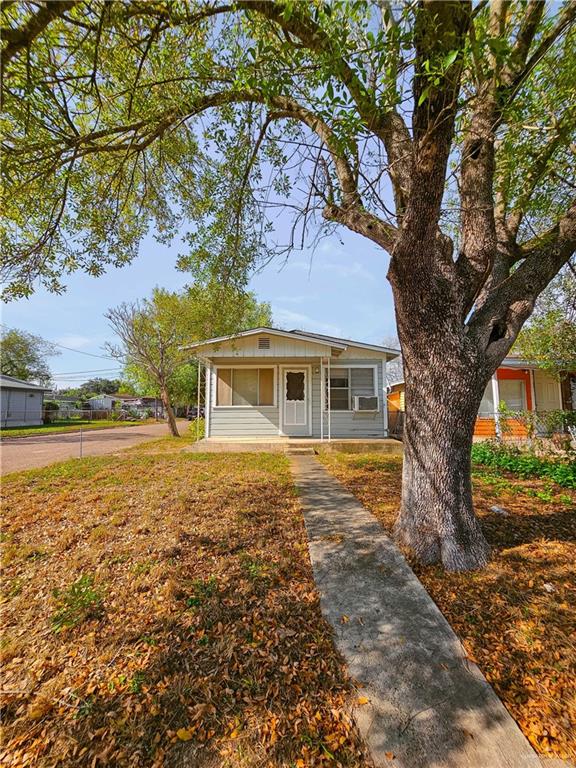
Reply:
x=159, y=610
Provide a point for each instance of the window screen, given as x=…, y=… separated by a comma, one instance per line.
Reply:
x=346, y=383
x=266, y=386
x=224, y=390
x=362, y=381
x=339, y=389
x=513, y=393
x=245, y=386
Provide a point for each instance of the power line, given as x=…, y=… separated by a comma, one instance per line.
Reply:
x=90, y=370
x=79, y=351
x=71, y=349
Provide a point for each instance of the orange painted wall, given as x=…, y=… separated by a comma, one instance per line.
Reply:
x=395, y=400
x=486, y=427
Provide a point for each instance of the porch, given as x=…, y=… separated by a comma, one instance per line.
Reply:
x=291, y=445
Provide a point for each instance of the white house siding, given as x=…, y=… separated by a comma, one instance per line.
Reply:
x=265, y=421
x=20, y=407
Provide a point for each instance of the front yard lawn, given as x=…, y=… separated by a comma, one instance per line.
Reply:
x=517, y=618
x=159, y=610
x=58, y=427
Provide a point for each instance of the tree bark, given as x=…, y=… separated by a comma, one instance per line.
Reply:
x=437, y=521
x=170, y=413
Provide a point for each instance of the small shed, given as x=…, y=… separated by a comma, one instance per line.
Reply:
x=21, y=403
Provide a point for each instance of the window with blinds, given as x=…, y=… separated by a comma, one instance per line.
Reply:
x=245, y=386
x=347, y=383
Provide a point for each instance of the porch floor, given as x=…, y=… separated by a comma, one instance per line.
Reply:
x=281, y=444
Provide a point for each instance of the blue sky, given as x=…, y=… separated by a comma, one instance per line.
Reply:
x=340, y=288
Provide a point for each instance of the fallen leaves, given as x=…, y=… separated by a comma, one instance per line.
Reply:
x=209, y=648
x=516, y=618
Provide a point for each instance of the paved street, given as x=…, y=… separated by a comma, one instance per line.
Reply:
x=40, y=450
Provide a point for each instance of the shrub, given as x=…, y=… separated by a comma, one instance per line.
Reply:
x=524, y=463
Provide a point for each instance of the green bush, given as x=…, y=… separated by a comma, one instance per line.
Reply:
x=524, y=463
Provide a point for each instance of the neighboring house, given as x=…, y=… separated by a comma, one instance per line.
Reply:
x=140, y=405
x=268, y=382
x=102, y=402
x=21, y=403
x=518, y=384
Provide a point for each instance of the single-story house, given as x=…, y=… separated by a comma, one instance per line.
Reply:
x=140, y=405
x=21, y=403
x=518, y=384
x=266, y=382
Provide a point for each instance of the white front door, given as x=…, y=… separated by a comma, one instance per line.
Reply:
x=295, y=401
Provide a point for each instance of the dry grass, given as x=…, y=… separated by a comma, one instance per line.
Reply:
x=516, y=618
x=159, y=610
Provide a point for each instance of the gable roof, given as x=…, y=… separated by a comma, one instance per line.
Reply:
x=346, y=342
x=313, y=338
x=10, y=382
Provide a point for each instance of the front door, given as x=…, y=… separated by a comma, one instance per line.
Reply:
x=295, y=402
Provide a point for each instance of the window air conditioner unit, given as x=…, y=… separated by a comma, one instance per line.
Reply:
x=365, y=403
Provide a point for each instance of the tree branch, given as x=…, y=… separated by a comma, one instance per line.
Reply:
x=496, y=322
x=23, y=36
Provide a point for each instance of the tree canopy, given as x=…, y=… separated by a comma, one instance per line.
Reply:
x=122, y=116
x=549, y=338
x=25, y=356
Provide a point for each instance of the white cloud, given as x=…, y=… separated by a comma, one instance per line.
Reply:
x=298, y=320
x=74, y=341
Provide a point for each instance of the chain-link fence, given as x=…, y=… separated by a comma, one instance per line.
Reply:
x=74, y=416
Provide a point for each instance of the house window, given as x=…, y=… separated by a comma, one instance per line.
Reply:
x=513, y=394
x=245, y=386
x=347, y=383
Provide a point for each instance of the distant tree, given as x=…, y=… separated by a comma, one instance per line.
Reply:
x=183, y=386
x=152, y=333
x=549, y=338
x=24, y=356
x=100, y=386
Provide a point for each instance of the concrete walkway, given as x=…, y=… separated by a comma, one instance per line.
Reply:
x=40, y=450
x=428, y=706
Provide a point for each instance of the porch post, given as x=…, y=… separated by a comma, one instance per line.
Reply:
x=496, y=399
x=533, y=389
x=321, y=398
x=198, y=400
x=329, y=409
x=207, y=406
x=385, y=397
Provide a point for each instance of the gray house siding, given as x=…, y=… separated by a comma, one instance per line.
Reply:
x=350, y=423
x=20, y=407
x=266, y=421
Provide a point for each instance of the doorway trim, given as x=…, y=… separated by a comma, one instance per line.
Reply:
x=308, y=392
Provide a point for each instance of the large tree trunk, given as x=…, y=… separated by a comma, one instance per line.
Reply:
x=170, y=413
x=437, y=521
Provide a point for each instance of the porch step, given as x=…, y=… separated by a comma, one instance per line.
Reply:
x=300, y=452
